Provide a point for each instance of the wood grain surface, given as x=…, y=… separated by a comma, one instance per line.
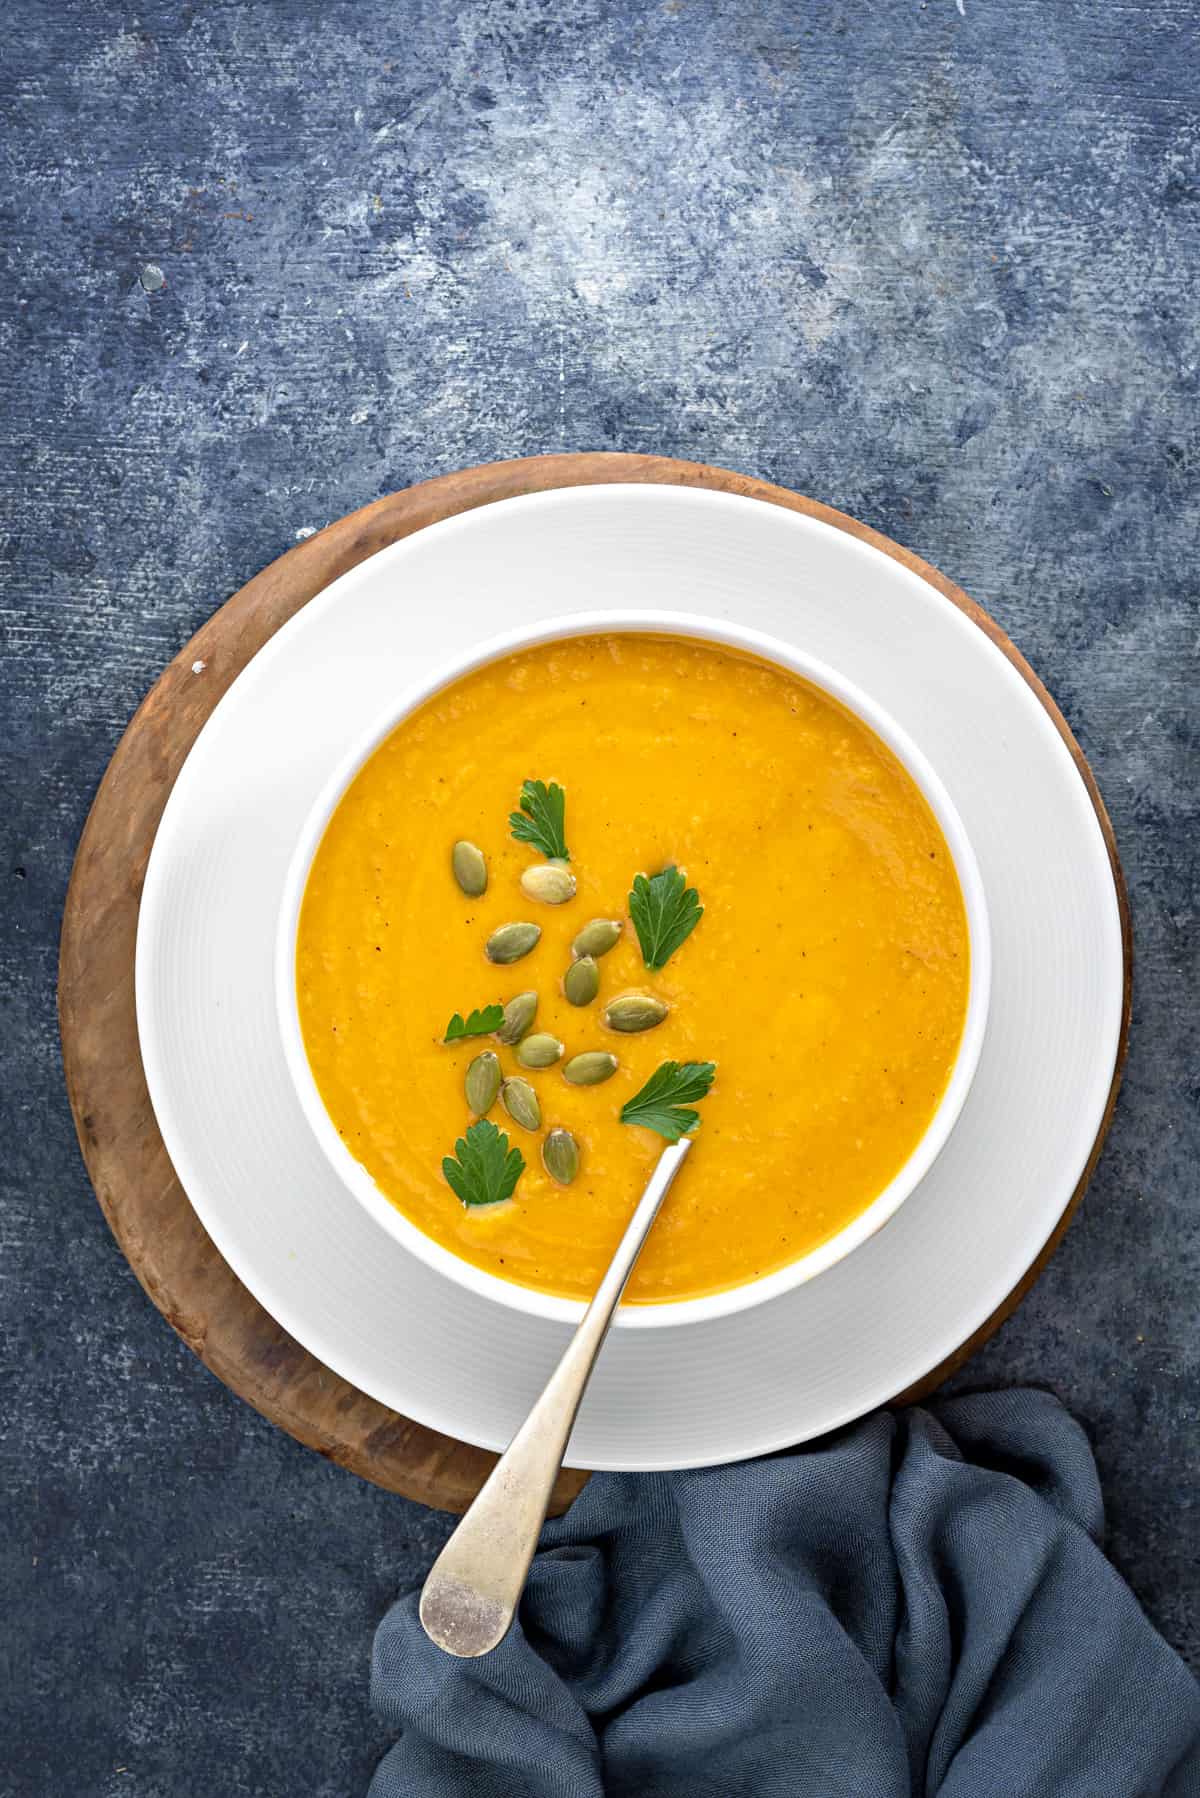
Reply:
x=134, y=1181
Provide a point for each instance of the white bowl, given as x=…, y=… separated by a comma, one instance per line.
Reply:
x=752, y=1292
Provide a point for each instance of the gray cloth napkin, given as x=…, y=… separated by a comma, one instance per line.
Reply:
x=917, y=1605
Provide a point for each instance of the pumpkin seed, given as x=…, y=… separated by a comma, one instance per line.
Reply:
x=483, y=1082
x=590, y=1068
x=597, y=938
x=540, y=1051
x=518, y=1018
x=470, y=869
x=511, y=942
x=560, y=1156
x=521, y=1103
x=581, y=982
x=549, y=883
x=636, y=1011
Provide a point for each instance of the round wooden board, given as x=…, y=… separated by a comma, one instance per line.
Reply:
x=141, y=1197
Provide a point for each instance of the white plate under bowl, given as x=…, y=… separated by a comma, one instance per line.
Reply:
x=740, y=1384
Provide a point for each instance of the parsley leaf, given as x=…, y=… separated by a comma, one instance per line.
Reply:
x=541, y=818
x=665, y=911
x=660, y=1105
x=486, y=1170
x=479, y=1023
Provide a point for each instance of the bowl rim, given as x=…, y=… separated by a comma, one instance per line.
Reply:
x=725, y=634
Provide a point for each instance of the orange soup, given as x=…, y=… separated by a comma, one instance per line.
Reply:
x=827, y=977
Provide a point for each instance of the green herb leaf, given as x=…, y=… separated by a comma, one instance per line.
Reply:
x=665, y=911
x=662, y=1103
x=487, y=1169
x=541, y=818
x=479, y=1023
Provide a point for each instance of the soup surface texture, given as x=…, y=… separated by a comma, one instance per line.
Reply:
x=827, y=977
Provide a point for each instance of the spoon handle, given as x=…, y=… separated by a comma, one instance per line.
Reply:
x=471, y=1595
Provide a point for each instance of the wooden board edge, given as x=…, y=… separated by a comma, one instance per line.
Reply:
x=305, y=570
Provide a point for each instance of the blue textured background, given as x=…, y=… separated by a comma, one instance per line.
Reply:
x=932, y=262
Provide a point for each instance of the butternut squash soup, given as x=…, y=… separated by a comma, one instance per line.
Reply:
x=798, y=923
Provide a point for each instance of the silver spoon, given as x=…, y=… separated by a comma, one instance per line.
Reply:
x=471, y=1595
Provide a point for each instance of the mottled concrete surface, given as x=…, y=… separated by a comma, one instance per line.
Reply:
x=934, y=263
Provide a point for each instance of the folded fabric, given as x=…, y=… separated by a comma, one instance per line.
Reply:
x=915, y=1606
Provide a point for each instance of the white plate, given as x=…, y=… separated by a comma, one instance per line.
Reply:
x=741, y=1384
